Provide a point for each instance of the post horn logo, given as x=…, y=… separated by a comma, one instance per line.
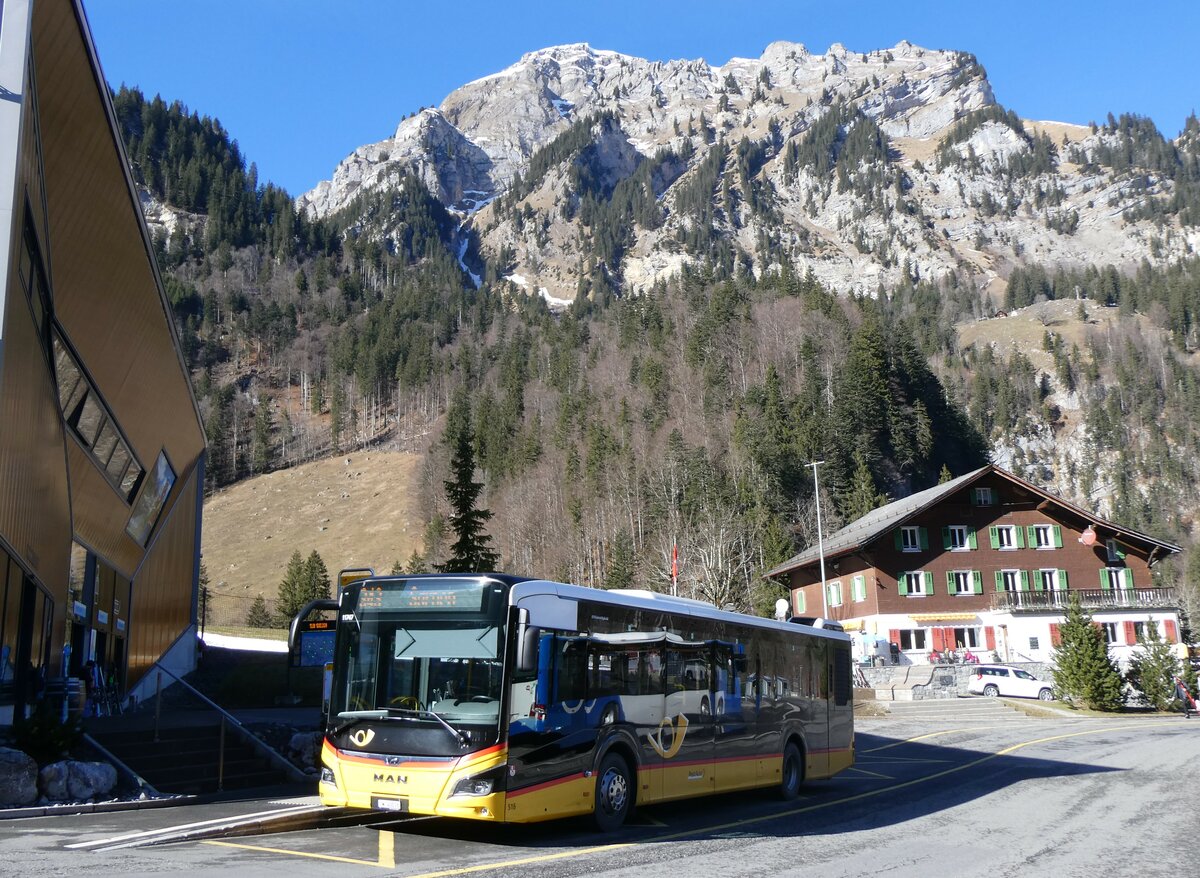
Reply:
x=678, y=731
x=362, y=737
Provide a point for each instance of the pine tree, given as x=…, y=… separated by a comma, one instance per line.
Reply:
x=622, y=562
x=862, y=497
x=1084, y=673
x=1153, y=668
x=258, y=616
x=416, y=563
x=292, y=591
x=471, y=550
x=316, y=579
x=205, y=596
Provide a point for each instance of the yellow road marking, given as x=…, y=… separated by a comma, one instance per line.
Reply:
x=254, y=847
x=387, y=848
x=561, y=855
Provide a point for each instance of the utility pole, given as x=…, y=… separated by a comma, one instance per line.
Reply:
x=820, y=538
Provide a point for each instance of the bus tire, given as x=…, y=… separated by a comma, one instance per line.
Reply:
x=614, y=793
x=792, y=772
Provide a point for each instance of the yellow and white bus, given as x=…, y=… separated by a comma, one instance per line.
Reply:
x=494, y=697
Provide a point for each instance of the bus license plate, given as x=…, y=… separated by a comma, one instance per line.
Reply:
x=389, y=804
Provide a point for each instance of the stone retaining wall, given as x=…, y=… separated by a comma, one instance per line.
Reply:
x=949, y=681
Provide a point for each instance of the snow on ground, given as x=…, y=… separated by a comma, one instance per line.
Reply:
x=564, y=107
x=555, y=304
x=253, y=644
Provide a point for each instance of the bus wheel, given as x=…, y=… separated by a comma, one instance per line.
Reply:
x=792, y=774
x=614, y=793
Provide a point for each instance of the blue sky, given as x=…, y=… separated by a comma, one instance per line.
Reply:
x=301, y=83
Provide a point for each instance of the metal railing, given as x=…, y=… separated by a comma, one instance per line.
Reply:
x=1091, y=599
x=227, y=720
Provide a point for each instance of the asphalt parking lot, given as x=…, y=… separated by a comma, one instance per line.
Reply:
x=959, y=791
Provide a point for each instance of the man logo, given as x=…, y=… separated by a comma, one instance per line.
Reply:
x=390, y=778
x=362, y=737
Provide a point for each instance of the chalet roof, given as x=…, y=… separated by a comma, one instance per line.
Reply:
x=877, y=522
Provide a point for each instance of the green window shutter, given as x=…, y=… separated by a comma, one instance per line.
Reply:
x=860, y=588
x=1036, y=576
x=800, y=602
x=999, y=582
x=1127, y=578
x=994, y=536
x=945, y=537
x=1062, y=579
x=899, y=539
x=977, y=578
x=924, y=534
x=949, y=582
x=902, y=583
x=1105, y=584
x=971, y=541
x=1020, y=532
x=1024, y=580
x=1120, y=551
x=928, y=582
x=1057, y=537
x=1031, y=535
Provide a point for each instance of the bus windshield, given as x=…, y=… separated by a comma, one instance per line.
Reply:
x=416, y=654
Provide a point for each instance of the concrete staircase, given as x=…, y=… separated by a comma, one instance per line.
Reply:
x=903, y=682
x=187, y=757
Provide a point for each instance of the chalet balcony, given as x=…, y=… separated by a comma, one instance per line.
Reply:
x=1095, y=599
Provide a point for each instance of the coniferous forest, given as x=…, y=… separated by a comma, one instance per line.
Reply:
x=609, y=434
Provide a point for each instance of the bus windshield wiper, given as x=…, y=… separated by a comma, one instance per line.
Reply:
x=354, y=716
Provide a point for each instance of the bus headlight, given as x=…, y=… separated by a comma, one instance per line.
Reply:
x=328, y=777
x=480, y=785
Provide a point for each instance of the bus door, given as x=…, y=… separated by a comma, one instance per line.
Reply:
x=734, y=756
x=686, y=734
x=817, y=691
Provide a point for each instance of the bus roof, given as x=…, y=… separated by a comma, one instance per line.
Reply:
x=660, y=603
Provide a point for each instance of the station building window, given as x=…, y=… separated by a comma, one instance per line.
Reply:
x=89, y=419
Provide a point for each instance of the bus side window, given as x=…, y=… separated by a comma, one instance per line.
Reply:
x=570, y=669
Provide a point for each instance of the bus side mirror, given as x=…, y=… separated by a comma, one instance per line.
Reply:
x=527, y=642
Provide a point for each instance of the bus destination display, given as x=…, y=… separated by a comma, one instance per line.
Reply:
x=430, y=595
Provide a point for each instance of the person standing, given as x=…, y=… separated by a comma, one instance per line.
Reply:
x=1185, y=698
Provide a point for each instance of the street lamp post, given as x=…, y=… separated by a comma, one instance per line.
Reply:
x=820, y=539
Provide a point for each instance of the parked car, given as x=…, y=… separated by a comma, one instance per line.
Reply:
x=993, y=680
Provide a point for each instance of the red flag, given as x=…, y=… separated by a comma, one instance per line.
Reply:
x=674, y=562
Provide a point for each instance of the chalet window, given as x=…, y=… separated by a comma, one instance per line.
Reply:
x=912, y=539
x=958, y=538
x=835, y=593
x=913, y=638
x=964, y=582
x=966, y=638
x=1033, y=643
x=1007, y=536
x=983, y=497
x=915, y=583
x=1115, y=552
x=1045, y=536
x=1116, y=578
x=1012, y=580
x=1139, y=631
x=1050, y=580
x=858, y=589
x=800, y=602
x=1110, y=631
